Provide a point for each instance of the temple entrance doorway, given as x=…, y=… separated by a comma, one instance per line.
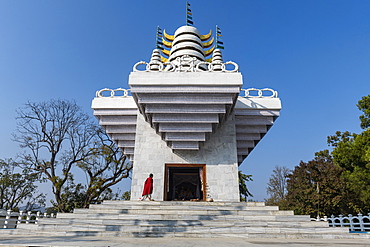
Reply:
x=185, y=182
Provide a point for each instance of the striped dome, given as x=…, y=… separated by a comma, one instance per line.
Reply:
x=187, y=42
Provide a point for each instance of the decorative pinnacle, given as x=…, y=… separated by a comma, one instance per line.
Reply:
x=159, y=44
x=219, y=42
x=189, y=15
x=217, y=60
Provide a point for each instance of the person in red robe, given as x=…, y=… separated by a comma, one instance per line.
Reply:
x=148, y=188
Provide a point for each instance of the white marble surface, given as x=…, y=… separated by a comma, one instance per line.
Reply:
x=218, y=153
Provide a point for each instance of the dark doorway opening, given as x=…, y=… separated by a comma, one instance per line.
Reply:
x=185, y=182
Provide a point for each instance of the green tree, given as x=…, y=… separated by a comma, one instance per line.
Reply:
x=351, y=152
x=277, y=186
x=18, y=187
x=126, y=195
x=243, y=189
x=364, y=106
x=316, y=187
x=77, y=196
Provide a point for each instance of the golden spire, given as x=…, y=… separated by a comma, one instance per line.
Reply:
x=205, y=37
x=208, y=43
x=167, y=36
x=209, y=52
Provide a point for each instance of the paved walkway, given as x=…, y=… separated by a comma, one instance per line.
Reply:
x=204, y=242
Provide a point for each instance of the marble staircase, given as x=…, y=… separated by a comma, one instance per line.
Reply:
x=183, y=219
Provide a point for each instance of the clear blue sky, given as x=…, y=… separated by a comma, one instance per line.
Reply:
x=316, y=54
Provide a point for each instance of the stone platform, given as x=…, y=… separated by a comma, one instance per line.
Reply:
x=185, y=220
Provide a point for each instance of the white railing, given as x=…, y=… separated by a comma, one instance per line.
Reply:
x=259, y=93
x=186, y=63
x=110, y=93
x=246, y=93
x=10, y=219
x=359, y=223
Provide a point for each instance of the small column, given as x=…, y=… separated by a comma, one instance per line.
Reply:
x=155, y=63
x=217, y=60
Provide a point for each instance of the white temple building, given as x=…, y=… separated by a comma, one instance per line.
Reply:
x=186, y=119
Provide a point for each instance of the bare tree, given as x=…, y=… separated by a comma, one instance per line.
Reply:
x=277, y=185
x=56, y=135
x=104, y=168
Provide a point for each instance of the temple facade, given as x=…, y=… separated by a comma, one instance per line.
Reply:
x=186, y=119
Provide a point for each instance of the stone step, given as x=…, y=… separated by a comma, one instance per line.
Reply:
x=213, y=223
x=189, y=229
x=183, y=207
x=227, y=235
x=184, y=203
x=239, y=227
x=20, y=231
x=181, y=219
x=181, y=216
x=166, y=230
x=182, y=212
x=211, y=234
x=29, y=227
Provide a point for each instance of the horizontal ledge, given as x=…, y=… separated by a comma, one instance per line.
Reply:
x=256, y=112
x=118, y=123
x=186, y=89
x=184, y=108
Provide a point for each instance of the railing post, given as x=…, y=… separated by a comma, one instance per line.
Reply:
x=7, y=218
x=20, y=217
x=341, y=220
x=361, y=222
x=332, y=221
x=38, y=216
x=28, y=217
x=350, y=222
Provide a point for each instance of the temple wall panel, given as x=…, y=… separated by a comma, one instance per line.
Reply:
x=218, y=154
